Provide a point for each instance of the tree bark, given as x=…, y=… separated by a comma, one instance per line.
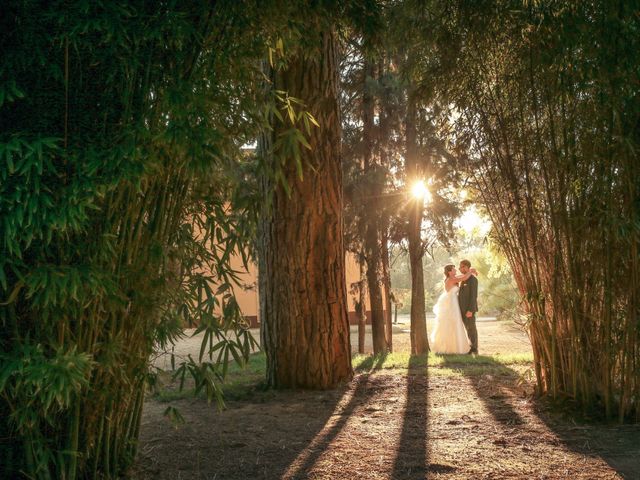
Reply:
x=372, y=234
x=303, y=298
x=419, y=339
x=386, y=276
x=361, y=308
x=384, y=139
x=375, y=294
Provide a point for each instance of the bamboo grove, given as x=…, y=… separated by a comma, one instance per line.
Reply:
x=119, y=145
x=548, y=119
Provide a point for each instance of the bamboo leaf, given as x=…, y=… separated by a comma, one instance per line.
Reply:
x=174, y=416
x=14, y=293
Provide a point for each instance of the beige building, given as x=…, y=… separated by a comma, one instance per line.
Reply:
x=247, y=293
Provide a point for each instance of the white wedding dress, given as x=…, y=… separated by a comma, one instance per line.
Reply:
x=448, y=334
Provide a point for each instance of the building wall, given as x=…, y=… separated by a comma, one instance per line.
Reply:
x=247, y=293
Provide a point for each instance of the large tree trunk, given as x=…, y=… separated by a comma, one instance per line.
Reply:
x=372, y=234
x=419, y=339
x=303, y=298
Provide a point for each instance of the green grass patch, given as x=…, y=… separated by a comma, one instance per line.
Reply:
x=446, y=372
x=498, y=359
x=404, y=360
x=241, y=381
x=495, y=370
x=247, y=381
x=388, y=361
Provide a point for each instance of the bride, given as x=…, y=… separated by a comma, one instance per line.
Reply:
x=449, y=334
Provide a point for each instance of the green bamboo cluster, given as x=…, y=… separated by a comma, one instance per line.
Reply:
x=120, y=132
x=548, y=111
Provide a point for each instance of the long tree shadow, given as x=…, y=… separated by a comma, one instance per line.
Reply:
x=412, y=457
x=371, y=363
x=483, y=372
x=499, y=388
x=261, y=435
x=304, y=462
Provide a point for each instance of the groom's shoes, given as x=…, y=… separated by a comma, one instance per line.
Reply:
x=472, y=352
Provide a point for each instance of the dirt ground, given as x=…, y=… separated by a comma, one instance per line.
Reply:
x=447, y=421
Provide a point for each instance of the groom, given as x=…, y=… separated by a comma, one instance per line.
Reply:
x=468, y=300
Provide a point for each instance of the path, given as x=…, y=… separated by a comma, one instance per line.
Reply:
x=452, y=421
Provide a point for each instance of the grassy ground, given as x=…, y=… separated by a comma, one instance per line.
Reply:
x=498, y=338
x=246, y=381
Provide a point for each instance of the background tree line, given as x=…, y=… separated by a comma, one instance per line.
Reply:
x=497, y=294
x=533, y=106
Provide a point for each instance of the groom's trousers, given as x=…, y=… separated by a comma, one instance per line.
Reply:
x=472, y=331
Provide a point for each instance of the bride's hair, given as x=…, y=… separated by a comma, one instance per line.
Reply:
x=447, y=269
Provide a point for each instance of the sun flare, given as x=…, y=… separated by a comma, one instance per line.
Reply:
x=420, y=190
x=472, y=219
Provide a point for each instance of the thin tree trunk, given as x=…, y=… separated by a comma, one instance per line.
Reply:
x=361, y=308
x=375, y=297
x=372, y=234
x=303, y=299
x=419, y=340
x=384, y=137
x=386, y=276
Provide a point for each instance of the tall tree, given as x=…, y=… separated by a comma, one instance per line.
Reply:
x=372, y=172
x=358, y=290
x=427, y=218
x=370, y=138
x=386, y=282
x=303, y=302
x=419, y=339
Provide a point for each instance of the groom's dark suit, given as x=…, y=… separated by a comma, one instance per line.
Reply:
x=468, y=300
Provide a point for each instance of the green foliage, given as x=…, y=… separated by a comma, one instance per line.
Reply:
x=39, y=389
x=497, y=291
x=121, y=209
x=391, y=140
x=47, y=384
x=241, y=382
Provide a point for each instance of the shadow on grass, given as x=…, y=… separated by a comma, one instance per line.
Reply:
x=362, y=394
x=307, y=424
x=371, y=363
x=411, y=459
x=496, y=386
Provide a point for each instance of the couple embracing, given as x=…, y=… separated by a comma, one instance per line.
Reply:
x=454, y=330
